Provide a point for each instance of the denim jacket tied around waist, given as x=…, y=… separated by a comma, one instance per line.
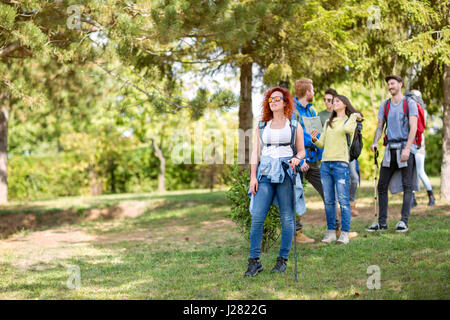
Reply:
x=273, y=169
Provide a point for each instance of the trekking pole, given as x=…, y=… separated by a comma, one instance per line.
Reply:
x=294, y=178
x=376, y=179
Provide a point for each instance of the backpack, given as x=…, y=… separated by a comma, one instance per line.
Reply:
x=420, y=121
x=293, y=123
x=357, y=144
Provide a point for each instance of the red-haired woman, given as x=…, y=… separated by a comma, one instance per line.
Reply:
x=272, y=164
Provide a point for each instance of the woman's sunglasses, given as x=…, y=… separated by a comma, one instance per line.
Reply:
x=275, y=99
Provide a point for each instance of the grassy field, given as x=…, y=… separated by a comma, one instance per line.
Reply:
x=182, y=245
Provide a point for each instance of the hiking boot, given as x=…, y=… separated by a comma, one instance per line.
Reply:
x=302, y=238
x=330, y=235
x=376, y=227
x=413, y=201
x=298, y=225
x=343, y=238
x=254, y=267
x=353, y=211
x=401, y=227
x=431, y=200
x=280, y=266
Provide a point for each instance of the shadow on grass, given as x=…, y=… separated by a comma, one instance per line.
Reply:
x=210, y=264
x=413, y=266
x=68, y=211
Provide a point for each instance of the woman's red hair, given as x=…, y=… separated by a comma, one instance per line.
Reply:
x=267, y=114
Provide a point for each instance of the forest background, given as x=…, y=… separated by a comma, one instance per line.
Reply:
x=94, y=95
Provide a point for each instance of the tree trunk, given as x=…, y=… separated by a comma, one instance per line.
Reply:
x=4, y=118
x=112, y=175
x=212, y=172
x=245, y=110
x=162, y=168
x=445, y=167
x=95, y=183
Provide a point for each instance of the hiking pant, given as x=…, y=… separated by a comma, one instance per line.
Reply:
x=354, y=179
x=313, y=177
x=420, y=167
x=383, y=186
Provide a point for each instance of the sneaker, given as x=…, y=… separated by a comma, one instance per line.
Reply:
x=376, y=227
x=254, y=266
x=280, y=266
x=330, y=235
x=352, y=235
x=343, y=238
x=401, y=227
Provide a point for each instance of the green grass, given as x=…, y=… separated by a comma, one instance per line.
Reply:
x=185, y=247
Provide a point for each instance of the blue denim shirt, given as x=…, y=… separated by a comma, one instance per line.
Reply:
x=313, y=153
x=273, y=169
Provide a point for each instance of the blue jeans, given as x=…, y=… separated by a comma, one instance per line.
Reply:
x=354, y=179
x=335, y=177
x=262, y=202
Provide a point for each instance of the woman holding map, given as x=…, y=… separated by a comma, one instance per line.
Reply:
x=334, y=170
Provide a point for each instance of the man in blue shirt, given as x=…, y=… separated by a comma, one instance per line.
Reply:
x=304, y=95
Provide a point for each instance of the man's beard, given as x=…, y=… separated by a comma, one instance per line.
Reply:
x=394, y=92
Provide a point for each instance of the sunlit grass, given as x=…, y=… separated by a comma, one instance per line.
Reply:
x=185, y=247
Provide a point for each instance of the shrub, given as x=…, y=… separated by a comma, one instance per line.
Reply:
x=433, y=149
x=240, y=202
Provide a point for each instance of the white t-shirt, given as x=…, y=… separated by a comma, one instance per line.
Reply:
x=277, y=136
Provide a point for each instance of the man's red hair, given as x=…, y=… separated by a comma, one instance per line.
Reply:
x=267, y=114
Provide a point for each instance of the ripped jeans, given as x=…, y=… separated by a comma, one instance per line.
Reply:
x=335, y=176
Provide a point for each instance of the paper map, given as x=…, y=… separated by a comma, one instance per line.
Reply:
x=312, y=123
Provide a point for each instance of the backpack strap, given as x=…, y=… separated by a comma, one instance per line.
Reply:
x=294, y=124
x=261, y=126
x=296, y=115
x=348, y=138
x=406, y=107
x=387, y=105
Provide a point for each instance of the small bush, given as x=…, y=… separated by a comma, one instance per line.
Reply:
x=240, y=214
x=433, y=151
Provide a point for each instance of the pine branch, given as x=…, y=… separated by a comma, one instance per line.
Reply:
x=94, y=23
x=12, y=47
x=10, y=2
x=148, y=94
x=177, y=106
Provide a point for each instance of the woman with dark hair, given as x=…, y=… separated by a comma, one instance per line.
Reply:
x=272, y=163
x=334, y=170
